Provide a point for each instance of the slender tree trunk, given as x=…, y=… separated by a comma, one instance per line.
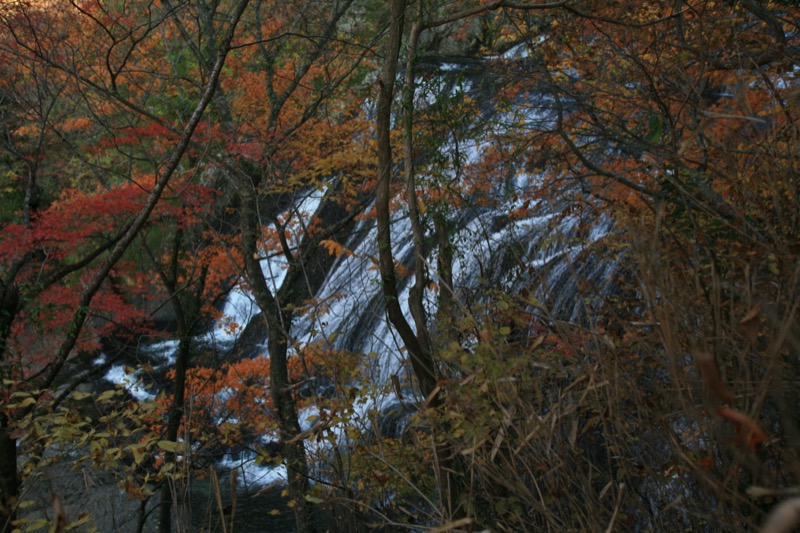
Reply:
x=450, y=471
x=445, y=313
x=417, y=292
x=278, y=322
x=419, y=344
x=421, y=360
x=186, y=306
x=284, y=405
x=168, y=494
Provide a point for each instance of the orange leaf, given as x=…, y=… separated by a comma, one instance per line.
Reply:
x=332, y=247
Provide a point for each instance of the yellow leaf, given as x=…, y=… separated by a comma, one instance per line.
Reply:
x=26, y=402
x=168, y=445
x=107, y=395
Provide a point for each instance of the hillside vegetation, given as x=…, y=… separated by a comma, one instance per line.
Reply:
x=435, y=266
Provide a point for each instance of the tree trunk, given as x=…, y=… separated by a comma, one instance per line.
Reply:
x=449, y=472
x=421, y=359
x=278, y=322
x=174, y=419
x=417, y=292
x=284, y=405
x=445, y=313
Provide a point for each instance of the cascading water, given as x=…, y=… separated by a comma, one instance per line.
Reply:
x=352, y=315
x=349, y=313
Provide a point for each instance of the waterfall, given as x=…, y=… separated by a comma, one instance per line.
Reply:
x=492, y=241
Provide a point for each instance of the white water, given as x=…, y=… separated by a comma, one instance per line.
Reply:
x=161, y=354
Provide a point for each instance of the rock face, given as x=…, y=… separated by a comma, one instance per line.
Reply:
x=84, y=493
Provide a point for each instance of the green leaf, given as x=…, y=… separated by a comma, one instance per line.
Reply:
x=655, y=129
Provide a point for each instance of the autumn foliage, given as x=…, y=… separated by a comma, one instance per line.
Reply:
x=654, y=143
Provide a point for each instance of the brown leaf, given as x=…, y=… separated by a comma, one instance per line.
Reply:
x=538, y=342
x=17, y=433
x=396, y=384
x=60, y=516
x=710, y=375
x=380, y=476
x=133, y=490
x=749, y=432
x=751, y=322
